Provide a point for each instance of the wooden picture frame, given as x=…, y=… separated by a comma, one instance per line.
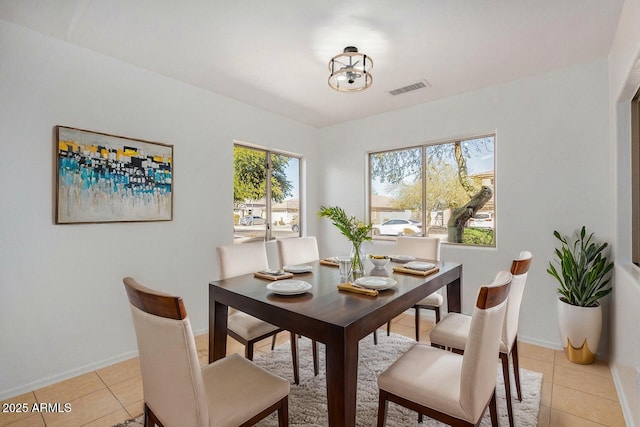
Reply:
x=108, y=178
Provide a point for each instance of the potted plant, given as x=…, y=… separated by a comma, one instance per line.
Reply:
x=584, y=278
x=353, y=229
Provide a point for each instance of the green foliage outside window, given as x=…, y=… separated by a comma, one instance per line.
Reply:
x=429, y=180
x=477, y=236
x=250, y=172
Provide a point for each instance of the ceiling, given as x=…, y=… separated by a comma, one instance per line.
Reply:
x=274, y=54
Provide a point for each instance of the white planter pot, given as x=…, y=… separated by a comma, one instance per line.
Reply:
x=580, y=329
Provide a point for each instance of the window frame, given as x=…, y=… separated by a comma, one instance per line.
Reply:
x=635, y=179
x=268, y=232
x=423, y=176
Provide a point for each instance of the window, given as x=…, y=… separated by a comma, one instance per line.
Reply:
x=444, y=190
x=266, y=194
x=635, y=179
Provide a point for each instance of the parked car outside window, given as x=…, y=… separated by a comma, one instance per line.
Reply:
x=397, y=227
x=252, y=220
x=482, y=220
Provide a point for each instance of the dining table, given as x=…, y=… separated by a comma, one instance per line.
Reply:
x=337, y=318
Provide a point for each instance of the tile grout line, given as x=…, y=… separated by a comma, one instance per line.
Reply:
x=552, y=379
x=35, y=397
x=114, y=396
x=576, y=416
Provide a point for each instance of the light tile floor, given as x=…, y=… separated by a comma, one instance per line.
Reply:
x=572, y=395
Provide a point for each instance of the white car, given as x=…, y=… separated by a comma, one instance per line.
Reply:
x=252, y=220
x=397, y=227
x=481, y=220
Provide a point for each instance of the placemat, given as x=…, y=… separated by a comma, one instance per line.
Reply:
x=263, y=275
x=348, y=287
x=415, y=272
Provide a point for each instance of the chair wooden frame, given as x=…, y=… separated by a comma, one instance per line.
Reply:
x=172, y=307
x=488, y=297
x=386, y=397
x=518, y=267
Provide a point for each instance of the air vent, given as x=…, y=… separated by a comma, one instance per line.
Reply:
x=410, y=88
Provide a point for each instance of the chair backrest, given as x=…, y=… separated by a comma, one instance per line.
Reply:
x=519, y=271
x=171, y=376
x=298, y=250
x=243, y=258
x=419, y=247
x=478, y=378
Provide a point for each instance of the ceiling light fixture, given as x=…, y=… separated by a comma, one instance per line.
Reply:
x=350, y=70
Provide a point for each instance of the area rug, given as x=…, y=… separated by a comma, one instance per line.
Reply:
x=308, y=401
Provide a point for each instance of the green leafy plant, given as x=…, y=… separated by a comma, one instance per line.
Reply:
x=350, y=226
x=477, y=236
x=584, y=270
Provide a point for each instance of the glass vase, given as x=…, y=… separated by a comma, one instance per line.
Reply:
x=357, y=260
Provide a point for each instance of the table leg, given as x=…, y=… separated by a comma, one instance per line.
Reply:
x=342, y=381
x=217, y=329
x=454, y=298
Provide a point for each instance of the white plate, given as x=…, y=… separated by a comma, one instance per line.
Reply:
x=375, y=282
x=297, y=268
x=289, y=287
x=402, y=258
x=421, y=266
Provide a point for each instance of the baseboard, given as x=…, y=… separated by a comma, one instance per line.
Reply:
x=624, y=379
x=540, y=343
x=35, y=385
x=202, y=331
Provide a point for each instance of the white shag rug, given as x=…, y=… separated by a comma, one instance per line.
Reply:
x=308, y=400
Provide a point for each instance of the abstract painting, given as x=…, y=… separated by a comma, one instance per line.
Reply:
x=108, y=178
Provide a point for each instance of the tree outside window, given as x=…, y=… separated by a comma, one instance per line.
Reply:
x=444, y=190
x=266, y=194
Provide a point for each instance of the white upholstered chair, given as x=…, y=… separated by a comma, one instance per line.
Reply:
x=246, y=258
x=177, y=392
x=452, y=388
x=424, y=248
x=453, y=331
x=296, y=251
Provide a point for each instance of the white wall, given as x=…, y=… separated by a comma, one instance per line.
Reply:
x=63, y=309
x=552, y=174
x=624, y=72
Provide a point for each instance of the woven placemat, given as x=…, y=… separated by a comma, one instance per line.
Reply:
x=268, y=276
x=415, y=272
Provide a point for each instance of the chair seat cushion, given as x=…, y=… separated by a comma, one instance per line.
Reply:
x=247, y=326
x=428, y=376
x=453, y=330
x=433, y=300
x=237, y=389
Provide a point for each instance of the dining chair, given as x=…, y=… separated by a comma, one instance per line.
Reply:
x=178, y=392
x=453, y=331
x=237, y=260
x=452, y=388
x=296, y=251
x=424, y=248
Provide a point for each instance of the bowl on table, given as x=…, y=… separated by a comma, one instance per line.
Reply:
x=379, y=261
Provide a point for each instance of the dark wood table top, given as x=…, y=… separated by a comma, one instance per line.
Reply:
x=324, y=302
